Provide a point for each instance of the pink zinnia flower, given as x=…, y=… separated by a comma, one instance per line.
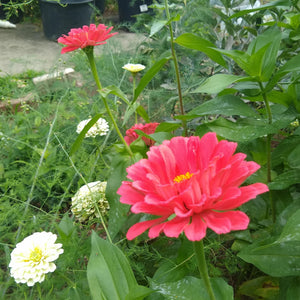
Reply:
x=86, y=36
x=192, y=184
x=148, y=128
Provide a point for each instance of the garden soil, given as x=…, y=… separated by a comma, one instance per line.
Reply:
x=26, y=48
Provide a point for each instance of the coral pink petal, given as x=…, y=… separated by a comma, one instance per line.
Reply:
x=227, y=149
x=174, y=227
x=141, y=227
x=162, y=162
x=156, y=230
x=129, y=195
x=142, y=207
x=207, y=147
x=246, y=194
x=224, y=222
x=239, y=220
x=86, y=36
x=196, y=230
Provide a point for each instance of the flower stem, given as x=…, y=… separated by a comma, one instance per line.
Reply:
x=89, y=51
x=200, y=257
x=176, y=67
x=133, y=89
x=268, y=149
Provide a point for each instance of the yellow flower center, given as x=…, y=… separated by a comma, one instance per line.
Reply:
x=183, y=177
x=36, y=254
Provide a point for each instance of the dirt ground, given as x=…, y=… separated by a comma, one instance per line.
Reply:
x=25, y=47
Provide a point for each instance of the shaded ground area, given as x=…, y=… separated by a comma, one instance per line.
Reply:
x=26, y=47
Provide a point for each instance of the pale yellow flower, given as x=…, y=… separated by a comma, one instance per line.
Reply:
x=33, y=258
x=87, y=198
x=134, y=68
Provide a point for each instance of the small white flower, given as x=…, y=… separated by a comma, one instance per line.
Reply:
x=101, y=127
x=33, y=258
x=134, y=68
x=268, y=18
x=87, y=198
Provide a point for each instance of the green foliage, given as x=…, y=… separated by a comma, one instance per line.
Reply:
x=109, y=273
x=189, y=288
x=238, y=78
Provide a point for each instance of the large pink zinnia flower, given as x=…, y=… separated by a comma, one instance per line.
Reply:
x=192, y=184
x=148, y=128
x=86, y=36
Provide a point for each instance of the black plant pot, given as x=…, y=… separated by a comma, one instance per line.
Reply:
x=100, y=4
x=59, y=19
x=129, y=8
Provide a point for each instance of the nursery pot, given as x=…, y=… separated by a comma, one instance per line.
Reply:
x=59, y=17
x=100, y=4
x=129, y=8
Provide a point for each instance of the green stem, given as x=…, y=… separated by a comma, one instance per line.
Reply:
x=176, y=67
x=133, y=89
x=200, y=257
x=268, y=149
x=89, y=51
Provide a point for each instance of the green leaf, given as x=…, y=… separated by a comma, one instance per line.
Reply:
x=159, y=137
x=167, y=127
x=142, y=112
x=292, y=65
x=114, y=90
x=195, y=42
x=248, y=129
x=66, y=226
x=294, y=158
x=260, y=58
x=138, y=292
x=227, y=105
x=240, y=57
x=157, y=26
x=217, y=83
x=264, y=287
x=169, y=271
x=284, y=149
x=291, y=230
x=263, y=53
x=289, y=288
x=276, y=259
x=109, y=274
x=282, y=256
x=191, y=288
x=149, y=75
x=129, y=112
x=285, y=180
x=263, y=7
x=82, y=134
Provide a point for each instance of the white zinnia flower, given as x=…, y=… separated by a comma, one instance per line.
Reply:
x=134, y=68
x=99, y=128
x=87, y=198
x=33, y=258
